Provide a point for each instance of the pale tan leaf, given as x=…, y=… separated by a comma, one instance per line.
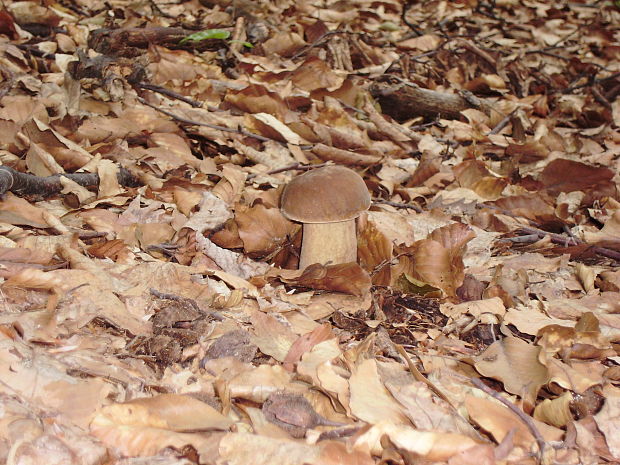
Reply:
x=213, y=212
x=41, y=163
x=432, y=446
x=370, y=400
x=173, y=412
x=515, y=363
x=108, y=180
x=556, y=411
x=271, y=336
x=15, y=210
x=499, y=421
x=608, y=419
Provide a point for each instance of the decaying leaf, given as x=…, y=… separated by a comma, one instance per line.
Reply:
x=515, y=363
x=152, y=305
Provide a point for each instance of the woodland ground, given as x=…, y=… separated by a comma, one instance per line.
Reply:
x=152, y=310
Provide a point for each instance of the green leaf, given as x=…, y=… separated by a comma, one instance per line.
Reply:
x=389, y=26
x=206, y=34
x=245, y=44
x=410, y=285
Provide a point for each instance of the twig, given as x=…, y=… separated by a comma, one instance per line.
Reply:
x=294, y=166
x=17, y=182
x=315, y=43
x=543, y=52
x=169, y=93
x=591, y=82
x=502, y=124
x=600, y=98
x=490, y=14
x=431, y=53
x=523, y=239
x=239, y=130
x=166, y=249
x=531, y=426
x=398, y=205
x=339, y=433
x=567, y=241
x=533, y=234
x=478, y=51
x=403, y=17
x=569, y=232
x=419, y=376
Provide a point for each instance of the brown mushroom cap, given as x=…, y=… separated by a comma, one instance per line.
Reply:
x=325, y=195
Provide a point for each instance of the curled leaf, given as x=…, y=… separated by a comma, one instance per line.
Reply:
x=206, y=34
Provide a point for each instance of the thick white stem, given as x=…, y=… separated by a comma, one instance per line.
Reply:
x=328, y=242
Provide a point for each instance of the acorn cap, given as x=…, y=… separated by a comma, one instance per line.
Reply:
x=325, y=195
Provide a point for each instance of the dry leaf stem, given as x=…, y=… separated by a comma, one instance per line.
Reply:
x=537, y=234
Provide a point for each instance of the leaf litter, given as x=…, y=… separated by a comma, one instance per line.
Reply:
x=152, y=306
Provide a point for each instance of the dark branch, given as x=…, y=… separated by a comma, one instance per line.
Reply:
x=17, y=182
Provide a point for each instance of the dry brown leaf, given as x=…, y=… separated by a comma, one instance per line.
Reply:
x=315, y=74
x=515, y=363
x=47, y=383
x=263, y=229
x=344, y=157
x=555, y=412
x=15, y=210
x=212, y=212
x=499, y=421
x=271, y=336
x=370, y=400
x=107, y=295
x=374, y=250
x=607, y=419
x=430, y=445
x=349, y=278
x=41, y=162
x=305, y=343
x=257, y=383
x=434, y=264
x=25, y=255
x=566, y=176
x=240, y=449
x=166, y=411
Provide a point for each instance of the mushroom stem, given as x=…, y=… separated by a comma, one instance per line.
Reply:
x=328, y=242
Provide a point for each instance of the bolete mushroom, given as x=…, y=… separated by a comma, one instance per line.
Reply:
x=326, y=200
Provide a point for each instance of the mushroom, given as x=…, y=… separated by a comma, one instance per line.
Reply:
x=326, y=200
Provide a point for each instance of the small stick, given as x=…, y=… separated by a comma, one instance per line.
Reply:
x=168, y=93
x=403, y=17
x=600, y=98
x=239, y=130
x=591, y=82
x=419, y=376
x=398, y=205
x=531, y=426
x=315, y=43
x=294, y=166
x=566, y=241
x=477, y=51
x=502, y=124
x=523, y=239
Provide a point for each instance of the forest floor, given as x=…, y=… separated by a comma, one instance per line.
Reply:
x=152, y=306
